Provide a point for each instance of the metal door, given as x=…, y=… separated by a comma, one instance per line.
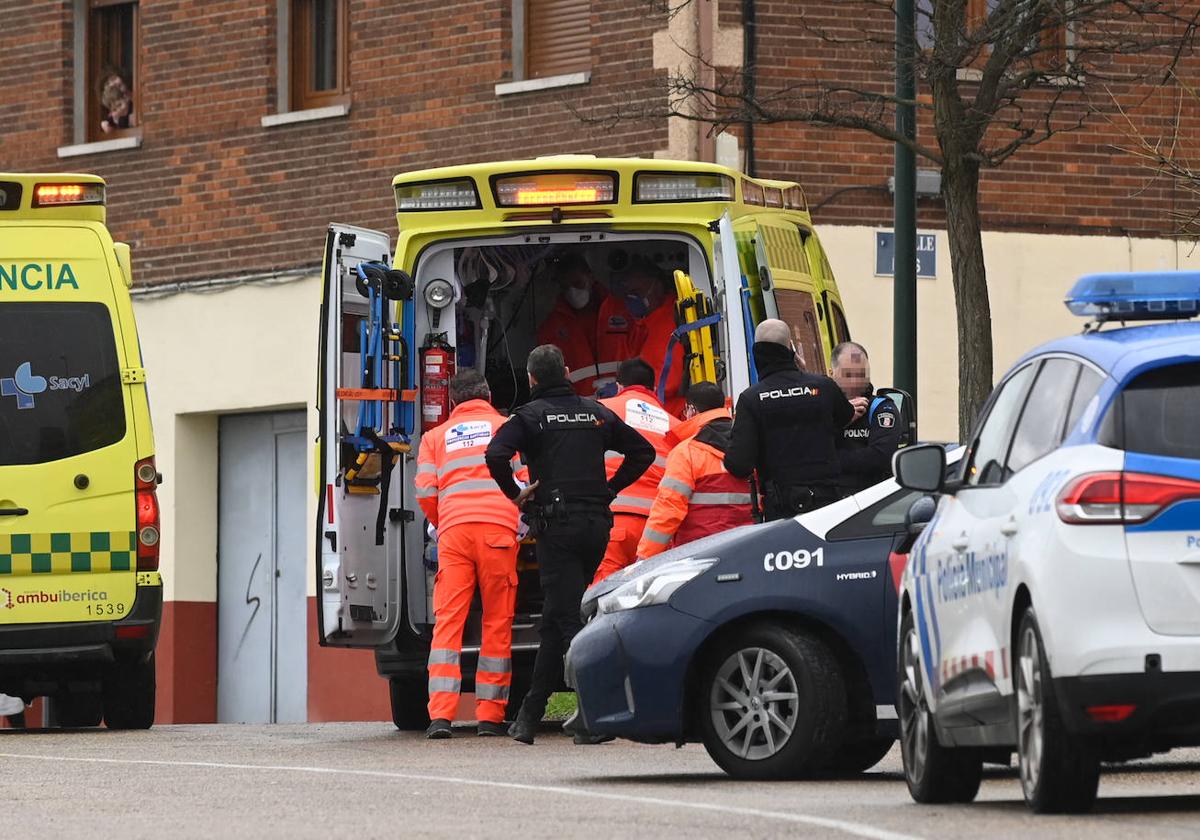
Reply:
x=262, y=669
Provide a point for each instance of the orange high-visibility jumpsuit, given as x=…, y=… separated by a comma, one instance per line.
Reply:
x=573, y=331
x=639, y=408
x=477, y=544
x=697, y=497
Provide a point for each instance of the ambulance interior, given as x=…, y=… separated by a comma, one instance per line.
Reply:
x=488, y=300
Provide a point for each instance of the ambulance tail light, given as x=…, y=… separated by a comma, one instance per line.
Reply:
x=1121, y=498
x=63, y=195
x=553, y=189
x=752, y=193
x=654, y=187
x=146, y=500
x=456, y=194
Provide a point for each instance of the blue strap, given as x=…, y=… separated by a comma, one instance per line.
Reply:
x=748, y=330
x=676, y=337
x=875, y=403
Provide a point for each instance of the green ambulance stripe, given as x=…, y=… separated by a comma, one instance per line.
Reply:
x=64, y=553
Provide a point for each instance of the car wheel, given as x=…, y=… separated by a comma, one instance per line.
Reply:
x=774, y=704
x=860, y=756
x=129, y=689
x=935, y=774
x=1060, y=773
x=77, y=710
x=410, y=699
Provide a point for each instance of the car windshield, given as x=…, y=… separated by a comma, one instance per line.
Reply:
x=1159, y=410
x=60, y=382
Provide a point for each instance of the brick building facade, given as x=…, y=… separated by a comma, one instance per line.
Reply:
x=228, y=181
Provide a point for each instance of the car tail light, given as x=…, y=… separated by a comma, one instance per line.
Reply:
x=134, y=631
x=146, y=499
x=1121, y=498
x=1110, y=714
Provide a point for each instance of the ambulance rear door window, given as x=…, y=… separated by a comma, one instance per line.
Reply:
x=60, y=382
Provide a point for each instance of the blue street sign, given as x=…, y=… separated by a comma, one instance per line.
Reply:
x=885, y=254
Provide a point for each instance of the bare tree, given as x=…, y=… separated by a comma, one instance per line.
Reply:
x=994, y=77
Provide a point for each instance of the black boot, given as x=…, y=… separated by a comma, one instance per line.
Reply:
x=523, y=730
x=574, y=726
x=487, y=729
x=438, y=730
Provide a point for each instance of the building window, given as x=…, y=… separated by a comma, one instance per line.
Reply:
x=111, y=59
x=551, y=38
x=1048, y=53
x=318, y=53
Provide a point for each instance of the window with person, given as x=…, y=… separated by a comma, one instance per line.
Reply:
x=318, y=53
x=112, y=72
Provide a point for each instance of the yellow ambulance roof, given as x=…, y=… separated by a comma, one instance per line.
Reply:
x=28, y=196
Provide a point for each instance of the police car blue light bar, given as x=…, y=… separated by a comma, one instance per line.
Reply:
x=1136, y=296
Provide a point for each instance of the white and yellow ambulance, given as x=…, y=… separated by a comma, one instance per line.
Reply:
x=80, y=591
x=468, y=284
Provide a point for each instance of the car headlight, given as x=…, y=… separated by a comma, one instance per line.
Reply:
x=655, y=586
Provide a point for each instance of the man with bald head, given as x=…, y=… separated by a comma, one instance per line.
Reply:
x=786, y=428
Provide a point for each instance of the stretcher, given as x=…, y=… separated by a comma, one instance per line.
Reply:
x=696, y=330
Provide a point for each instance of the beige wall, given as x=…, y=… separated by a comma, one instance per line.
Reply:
x=248, y=348
x=1028, y=277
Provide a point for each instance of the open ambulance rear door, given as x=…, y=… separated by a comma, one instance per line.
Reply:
x=359, y=540
x=733, y=299
x=782, y=257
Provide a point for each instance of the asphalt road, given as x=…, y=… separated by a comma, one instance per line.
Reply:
x=367, y=780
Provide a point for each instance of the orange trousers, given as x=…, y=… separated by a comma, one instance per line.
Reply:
x=468, y=555
x=622, y=544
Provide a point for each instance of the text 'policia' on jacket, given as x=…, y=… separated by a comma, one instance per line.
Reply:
x=565, y=438
x=865, y=447
x=787, y=424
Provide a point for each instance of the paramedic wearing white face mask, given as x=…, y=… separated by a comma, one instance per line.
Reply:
x=647, y=304
x=571, y=325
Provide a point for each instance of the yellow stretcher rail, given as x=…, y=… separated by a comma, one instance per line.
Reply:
x=692, y=305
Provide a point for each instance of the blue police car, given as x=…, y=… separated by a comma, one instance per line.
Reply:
x=1052, y=605
x=773, y=644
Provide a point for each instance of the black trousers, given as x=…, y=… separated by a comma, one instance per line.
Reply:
x=568, y=553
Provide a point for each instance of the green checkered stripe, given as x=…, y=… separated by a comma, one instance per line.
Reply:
x=87, y=551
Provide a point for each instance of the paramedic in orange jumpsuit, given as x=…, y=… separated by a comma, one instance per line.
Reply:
x=572, y=325
x=697, y=497
x=646, y=303
x=637, y=405
x=477, y=544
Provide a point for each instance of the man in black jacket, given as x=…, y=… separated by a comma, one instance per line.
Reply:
x=563, y=437
x=866, y=446
x=786, y=428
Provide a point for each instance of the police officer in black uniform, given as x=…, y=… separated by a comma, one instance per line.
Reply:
x=563, y=437
x=866, y=446
x=786, y=428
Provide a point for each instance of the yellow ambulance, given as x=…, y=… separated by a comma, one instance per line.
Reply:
x=468, y=284
x=80, y=591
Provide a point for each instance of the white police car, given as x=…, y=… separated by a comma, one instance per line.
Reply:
x=1052, y=605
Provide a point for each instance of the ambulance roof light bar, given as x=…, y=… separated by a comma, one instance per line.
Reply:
x=451, y=194
x=62, y=195
x=1136, y=296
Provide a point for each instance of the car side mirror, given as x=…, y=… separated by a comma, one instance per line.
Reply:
x=920, y=468
x=919, y=515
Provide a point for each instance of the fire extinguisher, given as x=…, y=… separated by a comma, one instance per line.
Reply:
x=437, y=366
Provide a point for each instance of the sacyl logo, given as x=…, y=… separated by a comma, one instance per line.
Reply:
x=6, y=596
x=782, y=561
x=23, y=385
